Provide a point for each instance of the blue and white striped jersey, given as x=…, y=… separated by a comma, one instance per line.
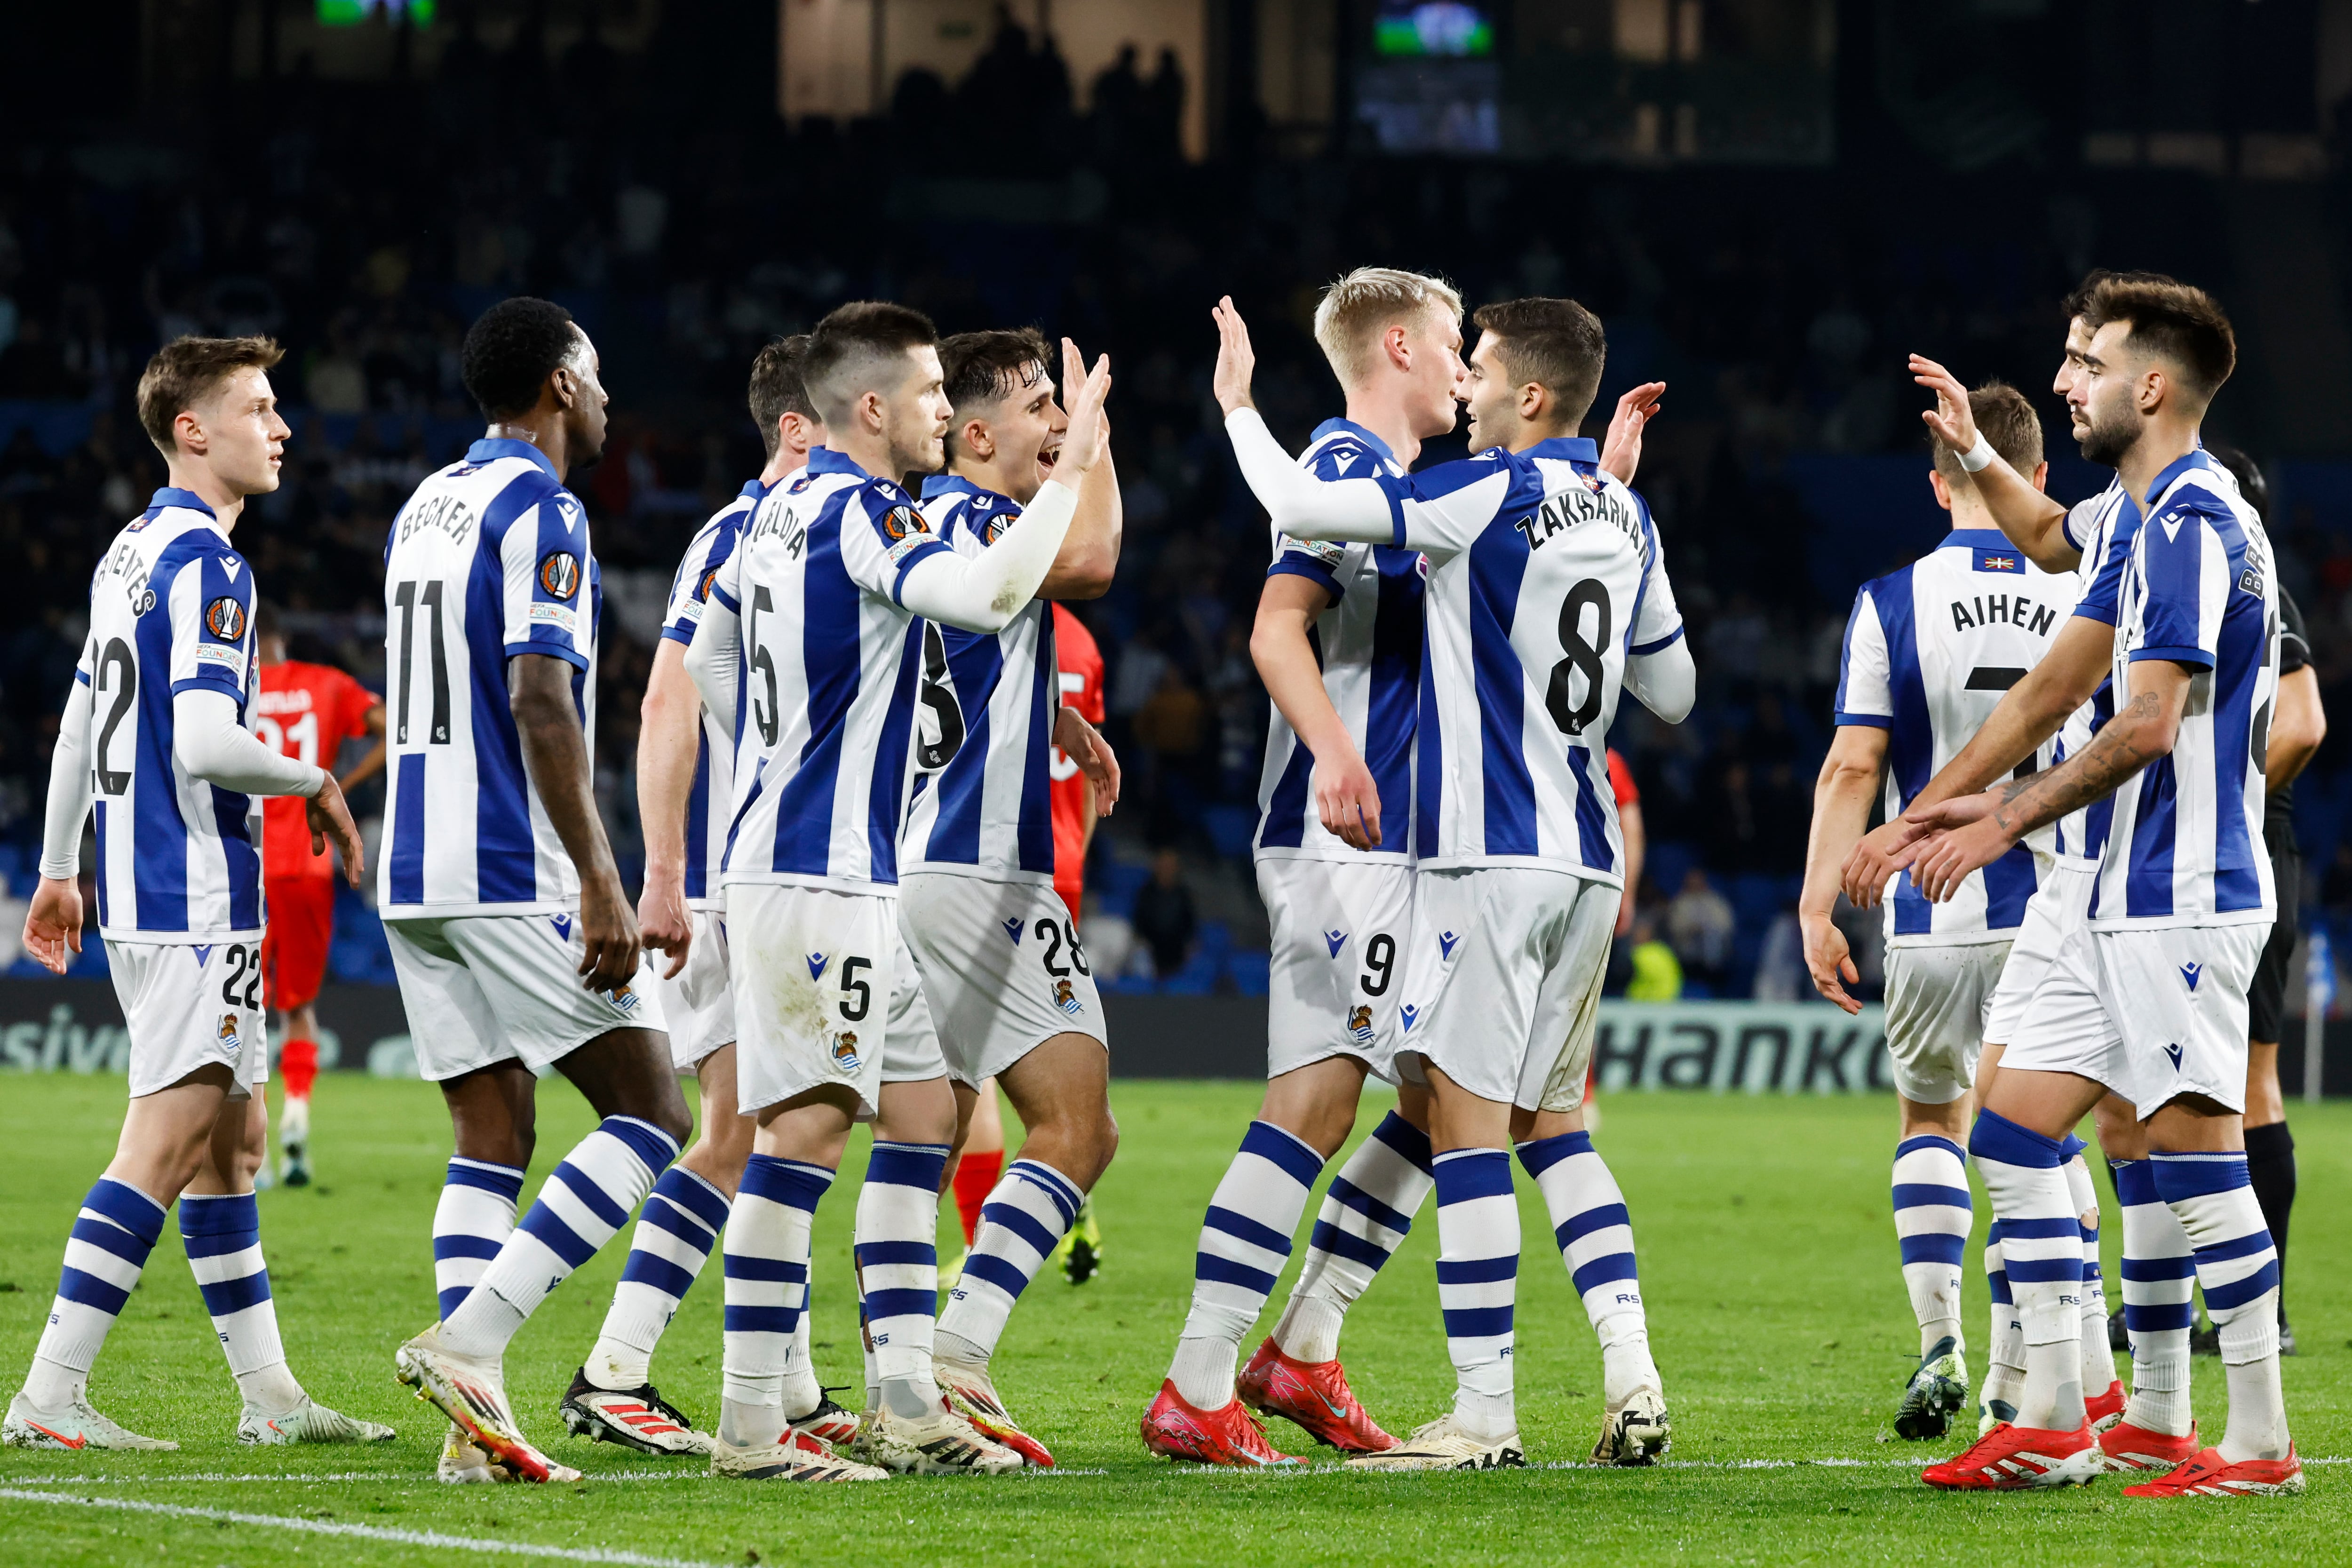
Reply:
x=489, y=560
x=1929, y=649
x=2102, y=529
x=1369, y=642
x=2199, y=590
x=824, y=754
x=989, y=811
x=706, y=803
x=1546, y=581
x=171, y=610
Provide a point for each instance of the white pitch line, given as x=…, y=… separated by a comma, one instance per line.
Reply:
x=363, y=1531
x=297, y=1478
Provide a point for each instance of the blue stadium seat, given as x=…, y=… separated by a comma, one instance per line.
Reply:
x=1669, y=862
x=1231, y=828
x=1116, y=888
x=1251, y=968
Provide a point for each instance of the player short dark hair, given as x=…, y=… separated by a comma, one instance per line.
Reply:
x=2252, y=484
x=2176, y=321
x=2078, y=303
x=186, y=370
x=1556, y=344
x=2007, y=420
x=511, y=351
x=982, y=369
x=776, y=388
x=851, y=343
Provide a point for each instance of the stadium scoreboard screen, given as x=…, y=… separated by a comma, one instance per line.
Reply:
x=352, y=13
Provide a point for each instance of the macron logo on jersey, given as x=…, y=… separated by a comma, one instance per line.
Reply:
x=1012, y=932
x=817, y=964
x=1445, y=940
x=1335, y=941
x=2191, y=973
x=2174, y=1052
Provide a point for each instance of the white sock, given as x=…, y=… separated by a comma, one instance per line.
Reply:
x=676, y=1231
x=105, y=1253
x=2098, y=1353
x=2159, y=1273
x=898, y=1269
x=2237, y=1265
x=802, y=1392
x=580, y=1208
x=2004, y=1380
x=2042, y=1250
x=472, y=1221
x=1477, y=1284
x=294, y=1121
x=766, y=1264
x=1933, y=1212
x=1366, y=1212
x=1245, y=1242
x=1596, y=1240
x=1020, y=1224
x=222, y=1235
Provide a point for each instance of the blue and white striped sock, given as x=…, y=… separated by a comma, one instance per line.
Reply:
x=223, y=1237
x=472, y=1221
x=106, y=1250
x=1477, y=1284
x=676, y=1231
x=765, y=1259
x=1595, y=1236
x=2237, y=1265
x=1020, y=1225
x=898, y=1251
x=1365, y=1212
x=2159, y=1277
x=2004, y=1379
x=580, y=1207
x=1245, y=1242
x=2041, y=1247
x=1933, y=1212
x=2098, y=1351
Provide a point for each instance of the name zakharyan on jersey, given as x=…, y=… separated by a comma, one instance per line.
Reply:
x=1570, y=508
x=2017, y=610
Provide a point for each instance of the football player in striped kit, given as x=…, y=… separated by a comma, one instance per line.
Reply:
x=512, y=937
x=1548, y=595
x=815, y=620
x=156, y=738
x=2149, y=1000
x=1929, y=649
x=684, y=788
x=1009, y=987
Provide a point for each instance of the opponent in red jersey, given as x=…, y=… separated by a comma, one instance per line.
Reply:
x=1629, y=818
x=306, y=710
x=1080, y=664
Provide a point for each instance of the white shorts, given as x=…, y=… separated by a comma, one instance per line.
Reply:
x=1339, y=929
x=1502, y=982
x=824, y=993
x=189, y=1006
x=698, y=1005
x=2060, y=905
x=2151, y=1013
x=483, y=989
x=1937, y=994
x=1002, y=966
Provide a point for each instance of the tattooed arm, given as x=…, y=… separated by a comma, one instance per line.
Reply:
x=1979, y=829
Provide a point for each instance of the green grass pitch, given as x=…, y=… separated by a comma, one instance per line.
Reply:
x=1767, y=1257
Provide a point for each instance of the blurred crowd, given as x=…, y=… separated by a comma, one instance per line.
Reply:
x=368, y=222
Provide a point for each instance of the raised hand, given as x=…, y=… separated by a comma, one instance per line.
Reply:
x=1621, y=452
x=1950, y=418
x=1236, y=361
x=1087, y=439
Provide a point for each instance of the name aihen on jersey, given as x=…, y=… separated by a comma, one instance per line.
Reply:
x=171, y=610
x=1930, y=650
x=489, y=560
x=2186, y=847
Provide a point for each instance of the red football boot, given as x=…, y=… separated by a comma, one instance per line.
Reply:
x=2207, y=1474
x=1181, y=1430
x=2104, y=1410
x=1312, y=1395
x=2015, y=1459
x=2125, y=1448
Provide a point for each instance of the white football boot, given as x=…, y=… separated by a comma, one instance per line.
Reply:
x=1443, y=1444
x=941, y=1444
x=1636, y=1433
x=463, y=1463
x=308, y=1422
x=77, y=1426
x=472, y=1393
x=794, y=1457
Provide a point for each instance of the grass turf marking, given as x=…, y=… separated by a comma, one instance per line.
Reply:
x=364, y=1532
